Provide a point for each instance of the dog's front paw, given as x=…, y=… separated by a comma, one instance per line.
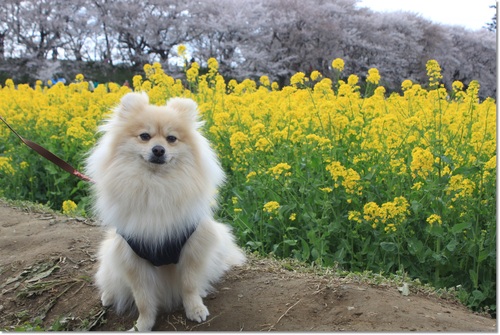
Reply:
x=106, y=299
x=198, y=312
x=143, y=325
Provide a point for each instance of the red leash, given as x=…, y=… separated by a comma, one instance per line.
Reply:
x=50, y=156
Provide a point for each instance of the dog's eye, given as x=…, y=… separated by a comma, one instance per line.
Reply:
x=145, y=136
x=171, y=138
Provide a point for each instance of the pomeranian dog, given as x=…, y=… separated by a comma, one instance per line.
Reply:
x=156, y=179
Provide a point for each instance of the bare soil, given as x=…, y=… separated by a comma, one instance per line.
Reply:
x=46, y=278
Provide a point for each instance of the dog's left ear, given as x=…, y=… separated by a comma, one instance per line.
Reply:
x=185, y=107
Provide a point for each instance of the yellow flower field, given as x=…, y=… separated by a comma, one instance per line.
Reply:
x=331, y=169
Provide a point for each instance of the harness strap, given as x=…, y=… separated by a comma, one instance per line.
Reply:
x=168, y=252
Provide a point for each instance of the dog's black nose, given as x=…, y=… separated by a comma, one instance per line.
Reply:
x=158, y=150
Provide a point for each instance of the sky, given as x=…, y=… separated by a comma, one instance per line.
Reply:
x=472, y=14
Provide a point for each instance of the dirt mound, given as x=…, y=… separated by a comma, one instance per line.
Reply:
x=48, y=261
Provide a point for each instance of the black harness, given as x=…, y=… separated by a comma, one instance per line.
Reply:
x=167, y=253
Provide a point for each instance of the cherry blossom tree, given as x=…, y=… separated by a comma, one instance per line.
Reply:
x=263, y=37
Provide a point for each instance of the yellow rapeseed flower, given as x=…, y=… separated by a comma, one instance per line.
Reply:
x=457, y=85
x=434, y=218
x=473, y=90
x=263, y=144
x=352, y=80
x=192, y=72
x=417, y=186
x=181, y=50
x=336, y=171
x=271, y=207
x=137, y=82
x=433, y=72
x=391, y=227
x=373, y=76
x=338, y=64
x=250, y=175
x=264, y=80
x=461, y=187
x=350, y=177
x=238, y=139
x=298, y=78
x=213, y=65
x=491, y=164
x=354, y=216
x=69, y=207
x=371, y=212
x=406, y=85
x=350, y=182
x=279, y=169
x=315, y=75
x=5, y=165
x=422, y=162
x=9, y=83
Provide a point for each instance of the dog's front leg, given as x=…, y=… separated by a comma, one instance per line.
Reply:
x=147, y=316
x=146, y=300
x=193, y=270
x=191, y=295
x=191, y=299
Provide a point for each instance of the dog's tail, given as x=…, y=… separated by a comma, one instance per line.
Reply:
x=230, y=252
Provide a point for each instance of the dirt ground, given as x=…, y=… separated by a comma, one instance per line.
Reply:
x=48, y=261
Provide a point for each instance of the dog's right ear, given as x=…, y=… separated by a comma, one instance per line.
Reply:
x=133, y=102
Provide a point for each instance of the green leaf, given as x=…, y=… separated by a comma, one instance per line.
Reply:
x=436, y=230
x=458, y=228
x=314, y=254
x=389, y=246
x=473, y=277
x=415, y=206
x=483, y=254
x=446, y=159
x=452, y=245
x=415, y=246
x=466, y=170
x=306, y=251
x=478, y=295
x=366, y=246
x=441, y=259
x=339, y=255
x=254, y=245
x=369, y=176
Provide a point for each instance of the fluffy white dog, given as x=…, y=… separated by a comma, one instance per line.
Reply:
x=156, y=179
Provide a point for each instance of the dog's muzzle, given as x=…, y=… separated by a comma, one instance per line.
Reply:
x=158, y=155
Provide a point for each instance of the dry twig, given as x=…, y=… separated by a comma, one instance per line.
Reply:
x=281, y=317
